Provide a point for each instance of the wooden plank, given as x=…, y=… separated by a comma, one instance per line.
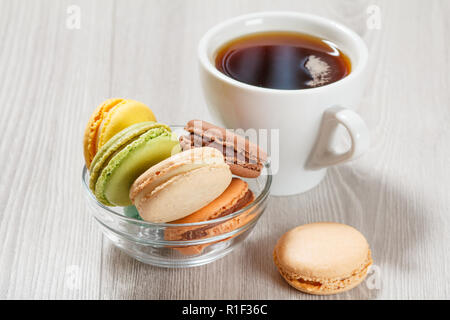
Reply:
x=52, y=78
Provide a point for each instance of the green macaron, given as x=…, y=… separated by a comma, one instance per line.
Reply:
x=125, y=157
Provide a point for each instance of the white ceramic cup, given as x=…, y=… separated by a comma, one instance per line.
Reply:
x=307, y=119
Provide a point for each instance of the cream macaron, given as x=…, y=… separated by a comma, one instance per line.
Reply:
x=323, y=258
x=180, y=185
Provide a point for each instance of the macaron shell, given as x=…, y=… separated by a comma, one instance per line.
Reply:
x=244, y=157
x=90, y=133
x=324, y=287
x=227, y=138
x=184, y=193
x=124, y=114
x=170, y=167
x=117, y=142
x=322, y=250
x=245, y=170
x=115, y=180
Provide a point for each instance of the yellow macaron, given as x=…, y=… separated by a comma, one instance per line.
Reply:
x=323, y=258
x=111, y=117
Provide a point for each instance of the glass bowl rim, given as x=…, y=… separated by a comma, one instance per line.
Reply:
x=256, y=203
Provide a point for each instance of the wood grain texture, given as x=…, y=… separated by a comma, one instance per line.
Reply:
x=398, y=194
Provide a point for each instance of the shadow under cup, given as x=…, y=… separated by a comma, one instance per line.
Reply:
x=295, y=116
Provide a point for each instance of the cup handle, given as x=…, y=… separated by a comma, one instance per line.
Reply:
x=323, y=154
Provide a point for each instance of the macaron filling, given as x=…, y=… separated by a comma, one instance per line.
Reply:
x=241, y=203
x=326, y=285
x=230, y=153
x=202, y=231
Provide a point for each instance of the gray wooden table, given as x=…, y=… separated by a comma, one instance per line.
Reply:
x=53, y=75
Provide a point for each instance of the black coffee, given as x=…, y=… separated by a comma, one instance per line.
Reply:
x=282, y=60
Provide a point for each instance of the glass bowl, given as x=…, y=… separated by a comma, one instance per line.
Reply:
x=179, y=245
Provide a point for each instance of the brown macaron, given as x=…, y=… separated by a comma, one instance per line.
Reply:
x=245, y=158
x=323, y=258
x=234, y=198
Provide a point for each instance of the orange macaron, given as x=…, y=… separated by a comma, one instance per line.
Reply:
x=234, y=198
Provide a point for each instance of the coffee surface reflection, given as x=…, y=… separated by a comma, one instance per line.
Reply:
x=282, y=60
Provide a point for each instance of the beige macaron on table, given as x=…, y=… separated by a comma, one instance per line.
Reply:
x=323, y=258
